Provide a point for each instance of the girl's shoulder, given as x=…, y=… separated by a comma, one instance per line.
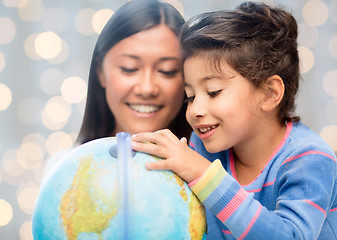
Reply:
x=302, y=137
x=306, y=149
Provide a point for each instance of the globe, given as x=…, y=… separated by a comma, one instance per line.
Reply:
x=101, y=190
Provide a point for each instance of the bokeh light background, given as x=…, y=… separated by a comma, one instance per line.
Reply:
x=45, y=54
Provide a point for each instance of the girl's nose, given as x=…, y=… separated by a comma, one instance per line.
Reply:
x=197, y=108
x=147, y=86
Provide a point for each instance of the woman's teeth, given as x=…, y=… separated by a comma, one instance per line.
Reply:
x=144, y=108
x=207, y=129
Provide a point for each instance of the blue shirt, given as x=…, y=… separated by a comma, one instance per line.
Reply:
x=294, y=196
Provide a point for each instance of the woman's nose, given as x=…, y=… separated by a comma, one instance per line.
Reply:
x=147, y=85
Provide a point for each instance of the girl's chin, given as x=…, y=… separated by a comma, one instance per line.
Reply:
x=213, y=149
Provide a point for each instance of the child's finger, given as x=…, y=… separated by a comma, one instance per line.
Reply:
x=165, y=135
x=148, y=148
x=159, y=165
x=144, y=137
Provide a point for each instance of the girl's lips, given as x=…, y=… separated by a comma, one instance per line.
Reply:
x=205, y=132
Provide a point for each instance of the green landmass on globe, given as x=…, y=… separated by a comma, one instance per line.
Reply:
x=81, y=199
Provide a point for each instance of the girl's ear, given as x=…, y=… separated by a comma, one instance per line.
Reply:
x=101, y=77
x=274, y=88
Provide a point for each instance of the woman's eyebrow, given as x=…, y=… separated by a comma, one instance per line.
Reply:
x=130, y=56
x=163, y=59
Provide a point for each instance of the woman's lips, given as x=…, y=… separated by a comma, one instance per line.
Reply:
x=144, y=108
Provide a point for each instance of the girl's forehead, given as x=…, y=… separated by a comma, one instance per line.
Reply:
x=204, y=65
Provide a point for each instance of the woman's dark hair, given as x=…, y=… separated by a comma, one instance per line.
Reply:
x=131, y=18
x=256, y=40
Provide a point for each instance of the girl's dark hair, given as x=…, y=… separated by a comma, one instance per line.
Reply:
x=256, y=40
x=131, y=18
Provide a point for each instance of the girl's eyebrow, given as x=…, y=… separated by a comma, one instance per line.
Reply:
x=204, y=79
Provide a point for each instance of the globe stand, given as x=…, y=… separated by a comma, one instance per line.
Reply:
x=124, y=156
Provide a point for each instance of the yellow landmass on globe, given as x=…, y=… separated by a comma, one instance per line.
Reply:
x=197, y=223
x=80, y=212
x=182, y=192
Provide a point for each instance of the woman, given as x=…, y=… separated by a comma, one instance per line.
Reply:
x=135, y=81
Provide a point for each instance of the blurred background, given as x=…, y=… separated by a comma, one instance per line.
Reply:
x=45, y=54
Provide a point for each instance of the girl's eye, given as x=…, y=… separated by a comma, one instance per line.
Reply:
x=214, y=93
x=128, y=70
x=189, y=99
x=169, y=73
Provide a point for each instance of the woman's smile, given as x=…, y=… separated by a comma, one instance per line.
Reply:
x=144, y=108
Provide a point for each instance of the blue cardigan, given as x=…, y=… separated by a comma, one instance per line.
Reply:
x=294, y=196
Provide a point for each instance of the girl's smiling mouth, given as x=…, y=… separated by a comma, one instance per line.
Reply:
x=204, y=130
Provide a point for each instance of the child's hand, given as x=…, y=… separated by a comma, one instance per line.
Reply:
x=176, y=154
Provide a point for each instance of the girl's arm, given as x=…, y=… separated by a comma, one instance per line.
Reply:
x=305, y=185
x=305, y=188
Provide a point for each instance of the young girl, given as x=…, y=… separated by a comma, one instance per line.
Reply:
x=267, y=175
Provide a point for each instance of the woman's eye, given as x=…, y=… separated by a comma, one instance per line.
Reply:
x=128, y=70
x=169, y=73
x=189, y=99
x=214, y=93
